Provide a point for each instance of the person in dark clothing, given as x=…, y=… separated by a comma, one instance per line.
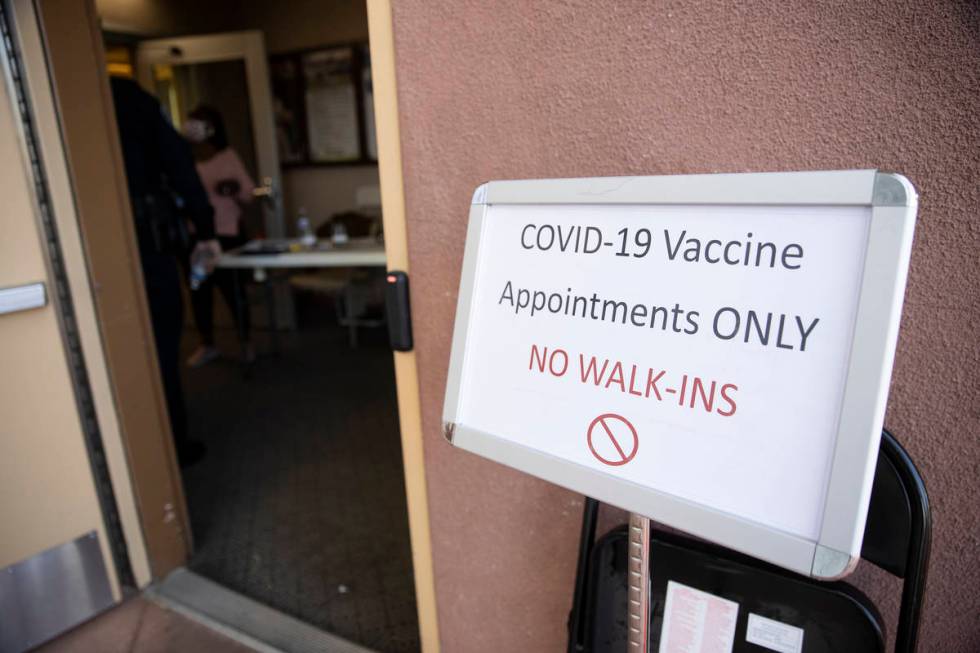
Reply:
x=160, y=173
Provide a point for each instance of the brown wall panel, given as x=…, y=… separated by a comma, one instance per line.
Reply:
x=553, y=89
x=75, y=58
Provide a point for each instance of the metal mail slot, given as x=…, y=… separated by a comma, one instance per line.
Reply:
x=22, y=298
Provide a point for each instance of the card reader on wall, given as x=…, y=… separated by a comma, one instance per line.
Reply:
x=399, y=313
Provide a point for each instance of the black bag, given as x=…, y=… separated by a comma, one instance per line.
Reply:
x=835, y=617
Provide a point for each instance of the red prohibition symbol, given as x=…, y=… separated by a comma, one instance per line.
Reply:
x=612, y=439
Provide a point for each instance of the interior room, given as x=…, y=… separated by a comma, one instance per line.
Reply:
x=297, y=496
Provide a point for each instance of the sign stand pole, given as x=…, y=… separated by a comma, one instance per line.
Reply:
x=639, y=584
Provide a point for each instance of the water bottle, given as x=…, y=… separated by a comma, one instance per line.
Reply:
x=306, y=236
x=200, y=258
x=339, y=234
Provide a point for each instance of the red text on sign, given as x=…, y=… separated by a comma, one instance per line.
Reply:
x=688, y=390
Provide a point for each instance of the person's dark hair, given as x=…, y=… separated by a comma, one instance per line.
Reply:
x=206, y=113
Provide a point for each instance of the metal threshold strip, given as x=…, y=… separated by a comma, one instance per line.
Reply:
x=242, y=619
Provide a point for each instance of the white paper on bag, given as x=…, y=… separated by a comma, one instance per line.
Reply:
x=697, y=622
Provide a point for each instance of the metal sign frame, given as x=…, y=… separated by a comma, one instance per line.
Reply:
x=893, y=203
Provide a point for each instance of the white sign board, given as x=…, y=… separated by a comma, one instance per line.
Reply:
x=710, y=351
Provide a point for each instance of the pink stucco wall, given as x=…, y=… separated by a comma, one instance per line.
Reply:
x=514, y=89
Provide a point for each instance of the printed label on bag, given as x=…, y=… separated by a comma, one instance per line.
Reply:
x=774, y=635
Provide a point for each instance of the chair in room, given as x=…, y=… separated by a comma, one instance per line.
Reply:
x=357, y=293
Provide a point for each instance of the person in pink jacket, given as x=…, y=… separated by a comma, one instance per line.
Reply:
x=229, y=188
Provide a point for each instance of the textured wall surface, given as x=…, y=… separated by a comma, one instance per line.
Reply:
x=553, y=89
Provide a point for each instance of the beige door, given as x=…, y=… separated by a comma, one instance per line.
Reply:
x=56, y=568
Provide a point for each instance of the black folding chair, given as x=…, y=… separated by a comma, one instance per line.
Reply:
x=898, y=533
x=833, y=616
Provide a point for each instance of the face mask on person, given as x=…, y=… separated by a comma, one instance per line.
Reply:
x=197, y=131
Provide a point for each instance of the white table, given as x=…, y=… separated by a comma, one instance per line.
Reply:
x=356, y=253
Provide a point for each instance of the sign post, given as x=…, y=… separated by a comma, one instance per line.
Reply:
x=709, y=351
x=638, y=584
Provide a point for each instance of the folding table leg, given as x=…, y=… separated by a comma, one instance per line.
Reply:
x=240, y=308
x=351, y=322
x=270, y=301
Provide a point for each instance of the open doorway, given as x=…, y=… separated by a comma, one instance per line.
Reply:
x=299, y=502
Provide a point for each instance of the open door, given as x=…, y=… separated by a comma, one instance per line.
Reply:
x=230, y=72
x=177, y=70
x=58, y=531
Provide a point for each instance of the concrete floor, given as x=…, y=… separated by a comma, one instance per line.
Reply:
x=141, y=626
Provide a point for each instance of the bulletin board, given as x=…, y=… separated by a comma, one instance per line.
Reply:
x=324, y=106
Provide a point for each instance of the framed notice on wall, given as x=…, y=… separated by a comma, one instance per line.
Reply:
x=331, y=106
x=709, y=351
x=324, y=105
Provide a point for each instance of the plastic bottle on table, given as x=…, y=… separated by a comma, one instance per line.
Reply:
x=305, y=230
x=339, y=233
